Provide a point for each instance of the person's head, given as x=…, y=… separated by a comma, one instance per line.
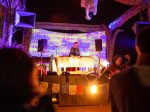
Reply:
x=117, y=60
x=143, y=41
x=18, y=76
x=75, y=44
x=127, y=58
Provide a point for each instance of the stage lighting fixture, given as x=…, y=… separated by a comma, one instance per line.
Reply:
x=54, y=100
x=105, y=63
x=93, y=89
x=25, y=19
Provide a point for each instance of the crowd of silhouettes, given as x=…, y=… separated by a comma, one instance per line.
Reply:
x=20, y=89
x=130, y=89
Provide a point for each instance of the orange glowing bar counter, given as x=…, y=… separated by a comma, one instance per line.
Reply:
x=74, y=65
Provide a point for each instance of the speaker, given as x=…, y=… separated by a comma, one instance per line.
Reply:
x=42, y=45
x=25, y=19
x=140, y=25
x=98, y=44
x=52, y=73
x=18, y=36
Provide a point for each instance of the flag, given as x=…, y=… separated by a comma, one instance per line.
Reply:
x=65, y=89
x=55, y=88
x=72, y=89
x=90, y=6
x=80, y=90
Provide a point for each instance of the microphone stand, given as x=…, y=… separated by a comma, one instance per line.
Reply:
x=56, y=48
x=98, y=70
x=41, y=65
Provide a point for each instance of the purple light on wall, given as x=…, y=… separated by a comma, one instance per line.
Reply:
x=7, y=19
x=25, y=19
x=60, y=43
x=112, y=26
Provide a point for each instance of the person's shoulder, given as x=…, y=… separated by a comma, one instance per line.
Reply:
x=123, y=75
x=45, y=104
x=112, y=66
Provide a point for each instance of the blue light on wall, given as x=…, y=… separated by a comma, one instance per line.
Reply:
x=59, y=44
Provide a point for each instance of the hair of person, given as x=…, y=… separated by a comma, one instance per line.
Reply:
x=75, y=42
x=15, y=72
x=115, y=57
x=143, y=40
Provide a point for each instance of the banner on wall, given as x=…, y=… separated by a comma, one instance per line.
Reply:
x=44, y=86
x=80, y=90
x=55, y=88
x=65, y=89
x=72, y=89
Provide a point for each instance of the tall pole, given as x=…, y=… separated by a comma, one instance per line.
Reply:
x=7, y=24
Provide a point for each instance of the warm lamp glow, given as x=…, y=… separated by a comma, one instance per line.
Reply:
x=93, y=89
x=105, y=63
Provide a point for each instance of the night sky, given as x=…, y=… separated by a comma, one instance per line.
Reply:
x=70, y=11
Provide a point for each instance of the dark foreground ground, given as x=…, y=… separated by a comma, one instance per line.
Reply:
x=102, y=108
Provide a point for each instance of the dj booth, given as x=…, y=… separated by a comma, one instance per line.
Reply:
x=76, y=90
x=69, y=84
x=74, y=65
